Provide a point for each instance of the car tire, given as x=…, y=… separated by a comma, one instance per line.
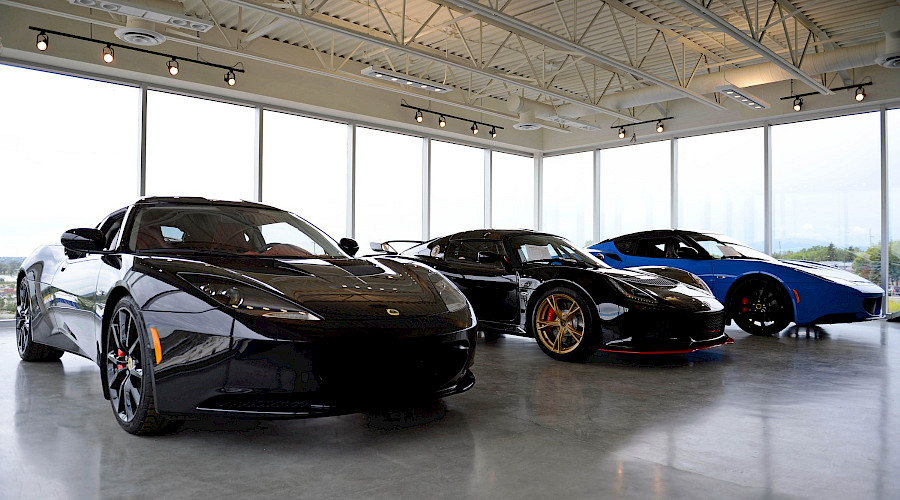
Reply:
x=127, y=361
x=561, y=322
x=760, y=306
x=28, y=349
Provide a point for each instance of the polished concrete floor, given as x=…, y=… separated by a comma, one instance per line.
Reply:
x=793, y=416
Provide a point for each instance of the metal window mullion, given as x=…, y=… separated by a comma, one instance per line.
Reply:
x=142, y=143
x=258, y=155
x=596, y=195
x=488, y=187
x=885, y=212
x=538, y=189
x=426, y=188
x=351, y=180
x=673, y=182
x=767, y=187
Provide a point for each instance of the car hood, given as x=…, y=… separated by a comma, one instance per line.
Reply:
x=826, y=272
x=335, y=288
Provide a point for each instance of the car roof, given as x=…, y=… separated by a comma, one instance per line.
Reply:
x=663, y=232
x=494, y=234
x=198, y=200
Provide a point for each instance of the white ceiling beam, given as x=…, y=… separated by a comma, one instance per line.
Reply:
x=749, y=42
x=335, y=26
x=510, y=23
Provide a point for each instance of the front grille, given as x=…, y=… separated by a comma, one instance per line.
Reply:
x=667, y=327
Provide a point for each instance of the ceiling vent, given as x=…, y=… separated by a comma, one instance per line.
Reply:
x=527, y=121
x=890, y=23
x=140, y=32
x=158, y=11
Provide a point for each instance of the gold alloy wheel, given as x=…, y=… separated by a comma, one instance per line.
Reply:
x=559, y=323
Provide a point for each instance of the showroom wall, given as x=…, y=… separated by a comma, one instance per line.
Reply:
x=824, y=180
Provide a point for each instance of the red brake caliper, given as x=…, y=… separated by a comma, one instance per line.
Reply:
x=551, y=315
x=744, y=302
x=120, y=354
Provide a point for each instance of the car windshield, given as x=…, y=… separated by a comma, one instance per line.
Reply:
x=228, y=230
x=545, y=249
x=720, y=247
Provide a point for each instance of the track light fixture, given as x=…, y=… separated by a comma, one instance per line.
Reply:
x=624, y=133
x=621, y=132
x=659, y=127
x=860, y=93
x=798, y=103
x=42, y=42
x=109, y=55
x=442, y=119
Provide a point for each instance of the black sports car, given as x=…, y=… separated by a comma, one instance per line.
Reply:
x=540, y=285
x=192, y=306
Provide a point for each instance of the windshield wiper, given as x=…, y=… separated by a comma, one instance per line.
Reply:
x=189, y=251
x=557, y=259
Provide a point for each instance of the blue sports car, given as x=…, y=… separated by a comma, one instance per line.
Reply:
x=760, y=293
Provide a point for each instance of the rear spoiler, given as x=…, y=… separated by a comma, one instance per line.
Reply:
x=386, y=247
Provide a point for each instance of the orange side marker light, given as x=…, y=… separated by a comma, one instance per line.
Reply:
x=797, y=295
x=156, y=347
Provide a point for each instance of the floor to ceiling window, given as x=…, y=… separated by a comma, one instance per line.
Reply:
x=457, y=188
x=305, y=169
x=512, y=191
x=720, y=184
x=199, y=147
x=893, y=157
x=826, y=204
x=635, y=188
x=568, y=196
x=388, y=186
x=69, y=151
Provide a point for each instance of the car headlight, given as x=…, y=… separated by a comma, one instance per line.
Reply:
x=246, y=298
x=452, y=297
x=699, y=283
x=632, y=292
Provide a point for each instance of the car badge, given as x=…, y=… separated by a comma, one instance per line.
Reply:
x=393, y=312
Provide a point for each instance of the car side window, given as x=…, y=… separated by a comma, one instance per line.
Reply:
x=712, y=248
x=660, y=247
x=467, y=251
x=110, y=228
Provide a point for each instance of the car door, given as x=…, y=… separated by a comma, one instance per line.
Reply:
x=491, y=287
x=668, y=249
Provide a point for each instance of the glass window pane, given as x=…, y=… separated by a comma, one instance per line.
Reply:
x=69, y=150
x=893, y=156
x=305, y=169
x=826, y=205
x=635, y=188
x=568, y=208
x=388, y=187
x=512, y=191
x=457, y=188
x=198, y=147
x=720, y=185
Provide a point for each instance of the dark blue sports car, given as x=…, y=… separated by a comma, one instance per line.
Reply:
x=760, y=293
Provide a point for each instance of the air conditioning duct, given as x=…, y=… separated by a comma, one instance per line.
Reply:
x=532, y=112
x=890, y=23
x=140, y=32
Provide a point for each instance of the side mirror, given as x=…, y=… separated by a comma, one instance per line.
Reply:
x=687, y=253
x=598, y=255
x=349, y=245
x=83, y=240
x=382, y=247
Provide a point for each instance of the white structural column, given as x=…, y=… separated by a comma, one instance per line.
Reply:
x=426, y=188
x=538, y=189
x=488, y=188
x=596, y=229
x=258, y=155
x=673, y=182
x=885, y=211
x=351, y=180
x=142, y=144
x=767, y=186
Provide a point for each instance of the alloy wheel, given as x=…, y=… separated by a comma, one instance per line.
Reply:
x=559, y=323
x=124, y=364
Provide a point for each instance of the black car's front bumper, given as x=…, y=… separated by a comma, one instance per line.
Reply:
x=213, y=363
x=665, y=332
